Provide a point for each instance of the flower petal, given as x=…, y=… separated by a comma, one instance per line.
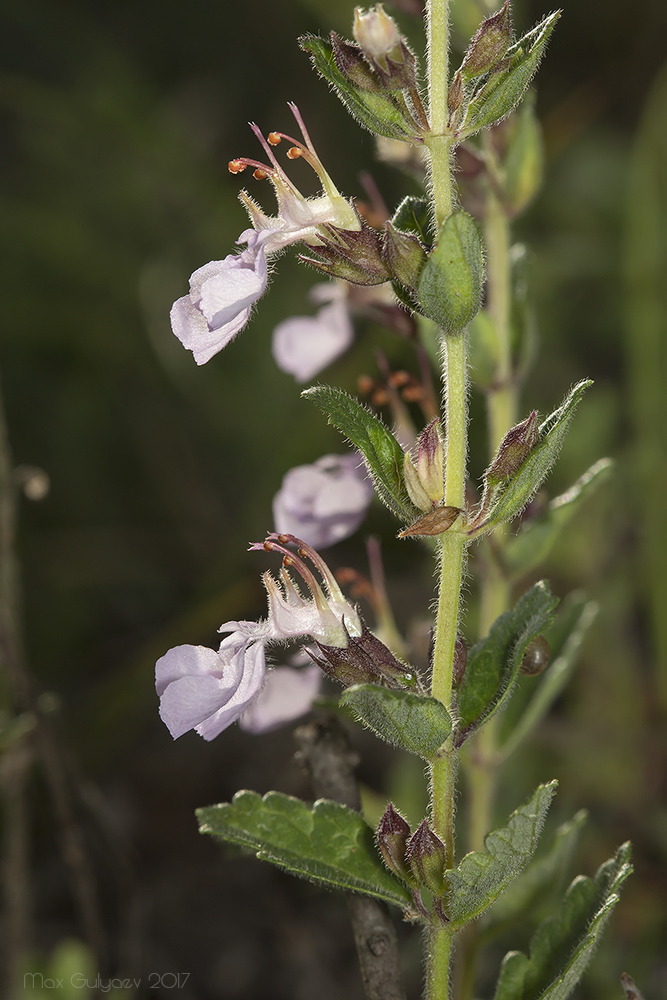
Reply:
x=254, y=670
x=303, y=345
x=286, y=695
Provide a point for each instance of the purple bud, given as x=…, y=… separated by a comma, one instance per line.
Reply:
x=392, y=838
x=365, y=660
x=427, y=858
x=536, y=657
x=489, y=44
x=513, y=450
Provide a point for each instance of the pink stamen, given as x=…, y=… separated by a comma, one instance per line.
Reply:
x=238, y=166
x=304, y=131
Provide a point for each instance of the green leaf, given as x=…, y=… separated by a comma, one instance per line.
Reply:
x=507, y=84
x=537, y=537
x=383, y=453
x=493, y=663
x=450, y=284
x=512, y=976
x=540, y=880
x=563, y=945
x=411, y=721
x=413, y=216
x=577, y=618
x=375, y=111
x=513, y=496
x=329, y=843
x=482, y=876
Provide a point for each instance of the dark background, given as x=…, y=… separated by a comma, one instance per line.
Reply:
x=117, y=121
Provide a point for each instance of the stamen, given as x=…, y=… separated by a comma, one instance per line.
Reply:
x=236, y=166
x=260, y=175
x=274, y=138
x=294, y=153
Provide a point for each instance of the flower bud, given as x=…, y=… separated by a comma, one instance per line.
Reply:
x=377, y=35
x=392, y=838
x=427, y=858
x=489, y=44
x=404, y=255
x=536, y=657
x=364, y=660
x=513, y=450
x=430, y=462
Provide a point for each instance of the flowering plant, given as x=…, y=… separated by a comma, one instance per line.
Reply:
x=445, y=258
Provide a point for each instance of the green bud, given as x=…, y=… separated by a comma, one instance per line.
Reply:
x=416, y=491
x=489, y=45
x=450, y=285
x=404, y=255
x=412, y=216
x=427, y=858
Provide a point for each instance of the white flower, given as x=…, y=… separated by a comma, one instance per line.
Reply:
x=223, y=292
x=303, y=345
x=325, y=502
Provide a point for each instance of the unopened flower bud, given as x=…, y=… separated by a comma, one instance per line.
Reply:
x=427, y=858
x=392, y=837
x=536, y=657
x=430, y=463
x=513, y=450
x=363, y=660
x=404, y=255
x=489, y=44
x=377, y=35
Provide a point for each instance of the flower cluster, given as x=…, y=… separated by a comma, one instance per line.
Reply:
x=207, y=690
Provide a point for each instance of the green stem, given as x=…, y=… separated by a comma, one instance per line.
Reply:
x=452, y=545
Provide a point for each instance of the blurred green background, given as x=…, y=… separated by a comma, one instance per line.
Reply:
x=117, y=120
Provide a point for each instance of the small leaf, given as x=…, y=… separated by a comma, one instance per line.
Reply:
x=575, y=622
x=494, y=662
x=563, y=945
x=540, y=879
x=507, y=84
x=329, y=843
x=537, y=537
x=374, y=110
x=450, y=284
x=482, y=876
x=411, y=721
x=512, y=497
x=383, y=453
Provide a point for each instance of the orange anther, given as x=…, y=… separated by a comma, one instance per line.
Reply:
x=274, y=138
x=236, y=166
x=294, y=153
x=260, y=175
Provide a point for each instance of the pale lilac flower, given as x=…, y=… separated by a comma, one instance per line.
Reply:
x=324, y=502
x=207, y=691
x=303, y=345
x=287, y=694
x=221, y=298
x=223, y=292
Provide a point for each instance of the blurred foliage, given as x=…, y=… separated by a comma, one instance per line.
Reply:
x=118, y=120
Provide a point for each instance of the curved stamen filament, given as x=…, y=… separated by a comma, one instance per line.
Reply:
x=238, y=165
